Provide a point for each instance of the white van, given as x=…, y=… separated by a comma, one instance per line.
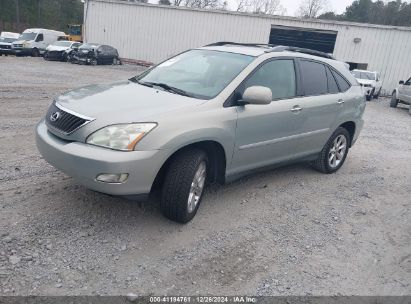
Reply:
x=34, y=41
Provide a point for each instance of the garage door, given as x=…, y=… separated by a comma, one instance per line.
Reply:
x=314, y=39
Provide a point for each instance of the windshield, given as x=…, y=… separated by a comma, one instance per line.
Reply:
x=62, y=43
x=199, y=73
x=363, y=75
x=7, y=40
x=89, y=46
x=28, y=36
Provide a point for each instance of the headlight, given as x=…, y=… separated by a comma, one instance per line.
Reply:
x=120, y=137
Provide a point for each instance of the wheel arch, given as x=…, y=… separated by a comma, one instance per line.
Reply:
x=350, y=127
x=216, y=157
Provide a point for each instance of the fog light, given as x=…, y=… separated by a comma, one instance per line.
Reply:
x=118, y=178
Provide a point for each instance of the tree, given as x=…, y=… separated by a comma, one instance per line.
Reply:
x=164, y=2
x=311, y=8
x=269, y=7
x=210, y=4
x=242, y=5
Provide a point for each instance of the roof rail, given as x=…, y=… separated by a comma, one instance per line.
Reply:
x=276, y=48
x=282, y=48
x=220, y=43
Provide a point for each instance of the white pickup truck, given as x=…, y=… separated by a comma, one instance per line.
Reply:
x=370, y=81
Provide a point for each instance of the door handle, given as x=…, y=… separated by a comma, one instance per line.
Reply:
x=340, y=101
x=296, y=109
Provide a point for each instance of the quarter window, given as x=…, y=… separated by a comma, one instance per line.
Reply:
x=332, y=84
x=342, y=83
x=314, y=78
x=277, y=75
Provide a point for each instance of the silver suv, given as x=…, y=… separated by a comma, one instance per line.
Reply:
x=402, y=94
x=209, y=114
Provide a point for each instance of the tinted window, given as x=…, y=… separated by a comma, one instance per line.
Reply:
x=332, y=84
x=278, y=75
x=342, y=83
x=314, y=78
x=39, y=37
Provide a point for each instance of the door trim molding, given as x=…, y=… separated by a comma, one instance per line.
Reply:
x=281, y=139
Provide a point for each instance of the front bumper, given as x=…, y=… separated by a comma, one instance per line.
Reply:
x=22, y=51
x=5, y=51
x=84, y=162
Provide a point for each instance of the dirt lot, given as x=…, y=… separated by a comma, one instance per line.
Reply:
x=291, y=231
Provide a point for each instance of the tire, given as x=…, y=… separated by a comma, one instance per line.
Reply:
x=378, y=94
x=323, y=163
x=116, y=61
x=46, y=56
x=93, y=61
x=177, y=188
x=35, y=53
x=394, y=100
x=368, y=97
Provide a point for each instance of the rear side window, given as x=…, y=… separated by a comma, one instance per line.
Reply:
x=332, y=84
x=314, y=78
x=277, y=75
x=342, y=83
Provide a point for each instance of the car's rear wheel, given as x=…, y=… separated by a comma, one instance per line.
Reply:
x=93, y=61
x=334, y=153
x=184, y=185
x=394, y=100
x=116, y=61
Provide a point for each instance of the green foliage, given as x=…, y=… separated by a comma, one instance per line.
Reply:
x=17, y=15
x=379, y=12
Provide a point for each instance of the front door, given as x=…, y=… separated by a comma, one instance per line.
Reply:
x=266, y=133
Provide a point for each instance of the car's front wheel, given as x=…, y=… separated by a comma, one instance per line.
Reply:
x=184, y=185
x=334, y=153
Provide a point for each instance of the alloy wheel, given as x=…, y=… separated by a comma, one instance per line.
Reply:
x=337, y=151
x=197, y=187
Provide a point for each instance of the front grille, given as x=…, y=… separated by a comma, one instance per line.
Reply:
x=17, y=45
x=4, y=47
x=62, y=121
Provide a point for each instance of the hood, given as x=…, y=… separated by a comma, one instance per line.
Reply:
x=366, y=81
x=56, y=48
x=123, y=102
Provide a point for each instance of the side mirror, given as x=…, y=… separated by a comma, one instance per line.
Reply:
x=257, y=95
x=401, y=81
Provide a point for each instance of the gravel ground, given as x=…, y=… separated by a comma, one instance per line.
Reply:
x=291, y=231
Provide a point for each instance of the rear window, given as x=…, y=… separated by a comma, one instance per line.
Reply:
x=314, y=78
x=342, y=83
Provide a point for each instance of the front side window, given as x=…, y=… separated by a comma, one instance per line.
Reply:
x=408, y=82
x=199, y=73
x=314, y=78
x=278, y=76
x=39, y=38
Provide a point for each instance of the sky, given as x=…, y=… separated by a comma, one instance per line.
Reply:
x=337, y=6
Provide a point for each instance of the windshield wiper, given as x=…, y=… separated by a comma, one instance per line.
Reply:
x=166, y=87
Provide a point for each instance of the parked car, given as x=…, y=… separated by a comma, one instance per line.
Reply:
x=6, y=39
x=59, y=50
x=209, y=114
x=33, y=42
x=370, y=81
x=94, y=54
x=402, y=94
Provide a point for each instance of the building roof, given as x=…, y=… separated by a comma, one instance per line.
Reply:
x=274, y=17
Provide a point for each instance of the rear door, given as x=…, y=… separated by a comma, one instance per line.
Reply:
x=322, y=104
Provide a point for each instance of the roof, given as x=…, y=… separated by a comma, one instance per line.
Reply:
x=274, y=17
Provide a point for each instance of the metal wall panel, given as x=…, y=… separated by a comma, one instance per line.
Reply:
x=153, y=33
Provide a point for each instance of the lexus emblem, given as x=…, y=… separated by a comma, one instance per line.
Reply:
x=55, y=116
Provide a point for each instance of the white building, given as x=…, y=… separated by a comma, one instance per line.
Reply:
x=153, y=33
